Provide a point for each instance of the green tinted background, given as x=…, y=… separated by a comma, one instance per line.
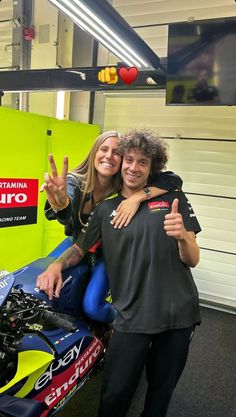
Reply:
x=25, y=145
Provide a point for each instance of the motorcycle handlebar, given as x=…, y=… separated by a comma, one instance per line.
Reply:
x=52, y=318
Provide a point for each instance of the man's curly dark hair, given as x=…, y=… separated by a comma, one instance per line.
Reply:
x=147, y=142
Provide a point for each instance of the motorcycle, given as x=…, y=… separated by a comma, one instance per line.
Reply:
x=48, y=349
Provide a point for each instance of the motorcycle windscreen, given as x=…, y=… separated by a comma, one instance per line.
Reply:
x=6, y=284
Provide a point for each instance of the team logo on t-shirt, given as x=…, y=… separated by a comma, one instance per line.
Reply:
x=113, y=214
x=191, y=209
x=158, y=205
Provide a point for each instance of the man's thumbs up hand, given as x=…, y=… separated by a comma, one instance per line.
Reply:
x=173, y=223
x=175, y=206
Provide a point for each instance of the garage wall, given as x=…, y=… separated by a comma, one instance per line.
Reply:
x=152, y=12
x=202, y=142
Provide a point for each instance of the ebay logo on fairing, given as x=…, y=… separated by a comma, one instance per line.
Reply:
x=54, y=387
x=70, y=356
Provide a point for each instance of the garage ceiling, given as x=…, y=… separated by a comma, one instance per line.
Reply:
x=149, y=20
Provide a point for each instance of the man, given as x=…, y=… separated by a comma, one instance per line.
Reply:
x=203, y=91
x=152, y=287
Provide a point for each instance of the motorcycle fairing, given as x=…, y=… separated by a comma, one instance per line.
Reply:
x=6, y=283
x=25, y=278
x=63, y=378
x=29, y=362
x=53, y=378
x=58, y=340
x=34, y=342
x=61, y=339
x=22, y=407
x=74, y=282
x=33, y=365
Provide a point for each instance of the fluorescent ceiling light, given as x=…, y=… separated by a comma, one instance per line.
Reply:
x=90, y=22
x=110, y=32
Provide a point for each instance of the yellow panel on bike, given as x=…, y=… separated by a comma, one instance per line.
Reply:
x=29, y=362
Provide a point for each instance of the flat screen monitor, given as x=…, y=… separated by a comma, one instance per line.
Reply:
x=201, y=64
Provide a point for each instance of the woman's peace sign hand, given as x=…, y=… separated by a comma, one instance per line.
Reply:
x=56, y=185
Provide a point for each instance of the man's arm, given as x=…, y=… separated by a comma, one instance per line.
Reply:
x=189, y=250
x=174, y=226
x=166, y=180
x=51, y=279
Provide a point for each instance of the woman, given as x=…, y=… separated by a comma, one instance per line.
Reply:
x=71, y=198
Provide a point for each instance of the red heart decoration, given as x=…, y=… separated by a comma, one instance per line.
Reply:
x=128, y=75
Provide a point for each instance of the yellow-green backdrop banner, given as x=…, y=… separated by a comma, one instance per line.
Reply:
x=26, y=141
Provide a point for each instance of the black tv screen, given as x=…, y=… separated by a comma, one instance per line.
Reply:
x=201, y=64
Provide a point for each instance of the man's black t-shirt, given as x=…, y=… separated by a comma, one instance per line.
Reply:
x=152, y=289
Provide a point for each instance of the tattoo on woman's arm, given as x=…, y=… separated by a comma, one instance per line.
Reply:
x=70, y=257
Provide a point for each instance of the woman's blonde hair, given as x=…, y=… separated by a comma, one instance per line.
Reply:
x=88, y=174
